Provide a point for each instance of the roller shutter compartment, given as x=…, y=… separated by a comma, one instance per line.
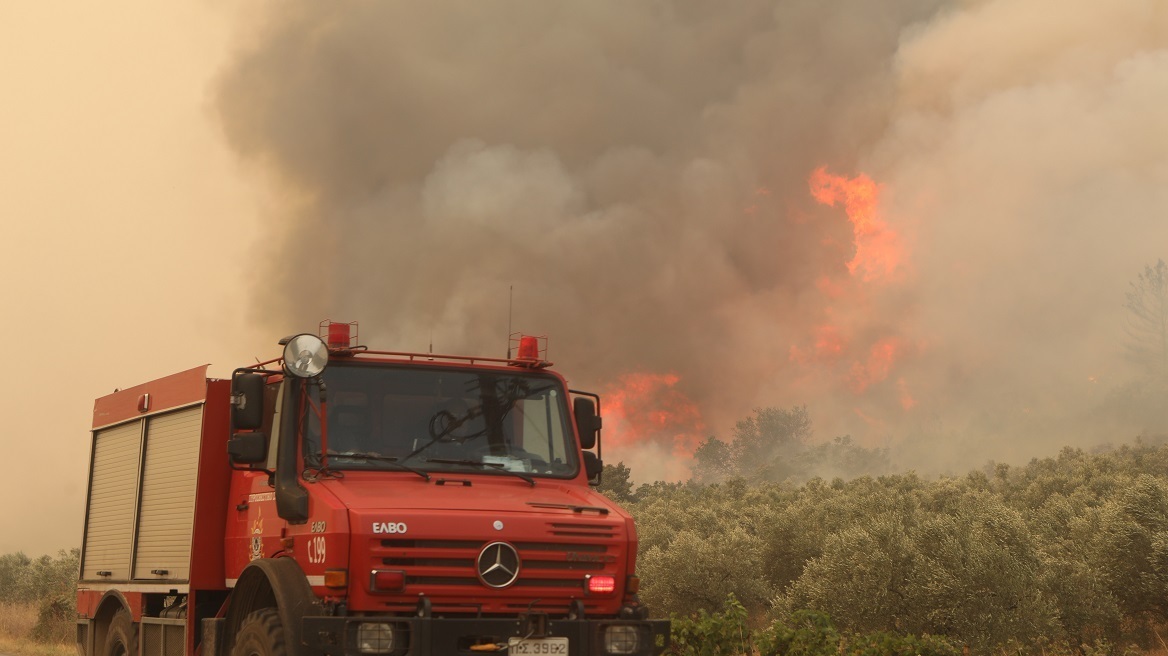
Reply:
x=109, y=531
x=166, y=516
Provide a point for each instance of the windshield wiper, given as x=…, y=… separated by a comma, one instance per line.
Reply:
x=496, y=466
x=439, y=433
x=377, y=457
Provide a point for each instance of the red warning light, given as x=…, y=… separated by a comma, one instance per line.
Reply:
x=601, y=584
x=528, y=348
x=338, y=335
x=530, y=351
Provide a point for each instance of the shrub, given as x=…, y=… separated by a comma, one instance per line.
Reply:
x=55, y=620
x=807, y=633
x=889, y=644
x=17, y=619
x=719, y=634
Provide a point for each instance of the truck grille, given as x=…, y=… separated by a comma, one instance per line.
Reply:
x=555, y=566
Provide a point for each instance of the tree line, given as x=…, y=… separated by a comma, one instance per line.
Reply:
x=24, y=579
x=49, y=583
x=1064, y=551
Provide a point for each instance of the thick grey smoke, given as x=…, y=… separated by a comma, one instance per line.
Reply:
x=638, y=172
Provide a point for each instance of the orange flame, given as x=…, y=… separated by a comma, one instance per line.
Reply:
x=879, y=364
x=879, y=252
x=647, y=407
x=844, y=349
x=828, y=342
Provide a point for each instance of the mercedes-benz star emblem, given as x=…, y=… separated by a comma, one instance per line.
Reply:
x=498, y=565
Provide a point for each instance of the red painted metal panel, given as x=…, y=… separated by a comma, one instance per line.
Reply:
x=172, y=391
x=211, y=492
x=87, y=602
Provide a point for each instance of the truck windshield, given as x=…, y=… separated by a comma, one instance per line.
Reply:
x=439, y=419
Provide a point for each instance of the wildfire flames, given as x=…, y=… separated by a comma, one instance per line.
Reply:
x=861, y=354
x=846, y=351
x=647, y=407
x=879, y=252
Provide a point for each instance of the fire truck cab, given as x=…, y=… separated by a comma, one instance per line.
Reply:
x=343, y=501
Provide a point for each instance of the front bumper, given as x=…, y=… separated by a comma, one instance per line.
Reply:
x=422, y=636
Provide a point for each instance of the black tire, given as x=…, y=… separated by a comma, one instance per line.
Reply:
x=261, y=634
x=122, y=637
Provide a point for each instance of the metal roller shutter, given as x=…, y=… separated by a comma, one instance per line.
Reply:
x=168, y=495
x=110, y=530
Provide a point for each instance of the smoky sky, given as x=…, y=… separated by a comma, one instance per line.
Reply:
x=637, y=174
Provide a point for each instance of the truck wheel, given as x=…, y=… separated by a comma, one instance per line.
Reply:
x=261, y=634
x=122, y=637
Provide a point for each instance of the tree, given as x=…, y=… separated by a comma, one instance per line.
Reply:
x=775, y=445
x=616, y=484
x=762, y=441
x=713, y=462
x=1147, y=330
x=697, y=571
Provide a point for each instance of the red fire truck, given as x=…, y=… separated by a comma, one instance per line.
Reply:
x=341, y=501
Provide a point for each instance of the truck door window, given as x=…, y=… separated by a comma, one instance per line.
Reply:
x=539, y=431
x=275, y=390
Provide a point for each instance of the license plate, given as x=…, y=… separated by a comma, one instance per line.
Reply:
x=537, y=646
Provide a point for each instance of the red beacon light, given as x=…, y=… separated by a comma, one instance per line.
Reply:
x=338, y=335
x=528, y=348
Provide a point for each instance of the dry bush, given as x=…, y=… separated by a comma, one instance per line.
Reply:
x=18, y=619
x=20, y=622
x=56, y=621
x=14, y=647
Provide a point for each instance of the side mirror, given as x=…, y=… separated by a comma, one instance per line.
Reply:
x=248, y=448
x=593, y=467
x=587, y=421
x=247, y=402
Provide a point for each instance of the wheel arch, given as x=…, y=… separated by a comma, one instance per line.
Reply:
x=270, y=583
x=111, y=602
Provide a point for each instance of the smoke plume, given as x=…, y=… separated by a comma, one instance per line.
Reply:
x=666, y=187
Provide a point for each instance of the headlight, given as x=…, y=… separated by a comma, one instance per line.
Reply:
x=375, y=638
x=620, y=639
x=305, y=356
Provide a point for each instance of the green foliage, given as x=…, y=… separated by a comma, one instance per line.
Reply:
x=713, y=461
x=773, y=445
x=616, y=484
x=842, y=458
x=23, y=579
x=890, y=644
x=56, y=619
x=695, y=572
x=805, y=633
x=1070, y=550
x=771, y=432
x=50, y=584
x=712, y=634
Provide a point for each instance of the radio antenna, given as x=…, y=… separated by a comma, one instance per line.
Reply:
x=510, y=305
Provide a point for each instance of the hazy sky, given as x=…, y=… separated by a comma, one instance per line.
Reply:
x=125, y=227
x=182, y=183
